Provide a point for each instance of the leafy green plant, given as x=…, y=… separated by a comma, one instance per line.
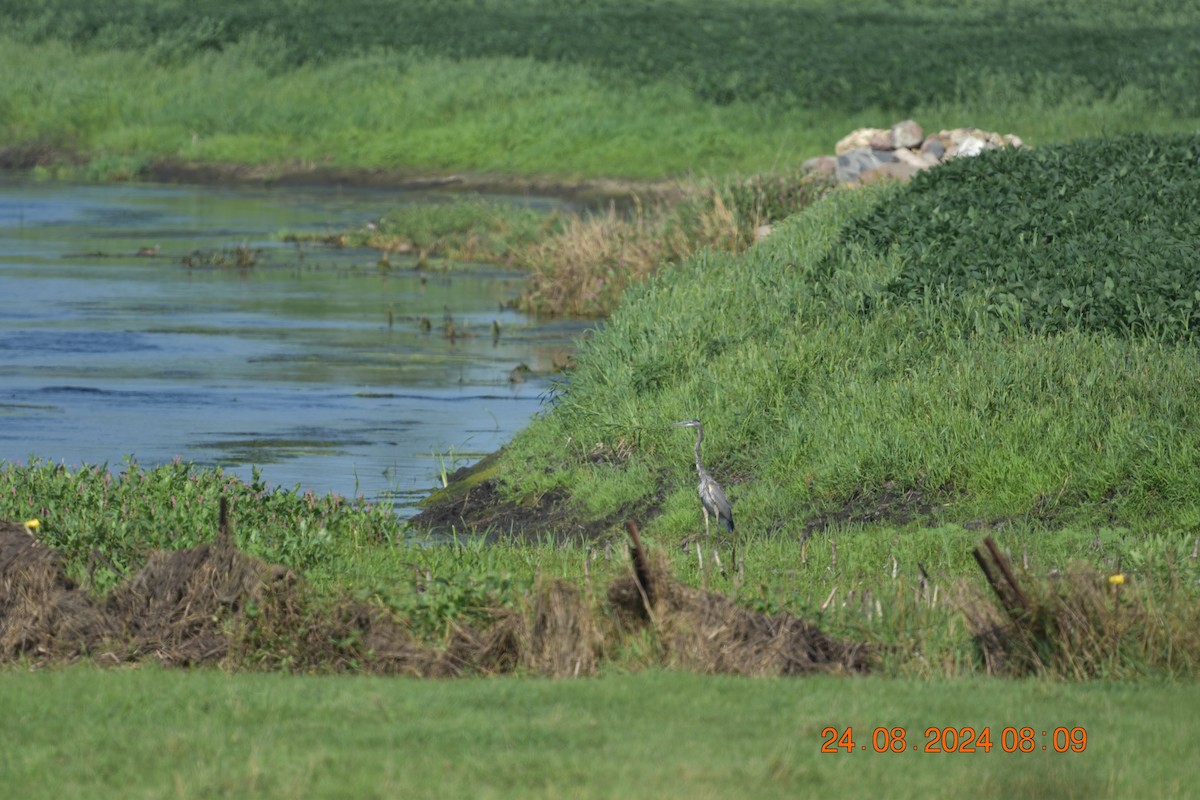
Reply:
x=465, y=597
x=124, y=514
x=756, y=51
x=1097, y=235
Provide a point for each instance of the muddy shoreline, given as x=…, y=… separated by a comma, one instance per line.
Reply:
x=587, y=191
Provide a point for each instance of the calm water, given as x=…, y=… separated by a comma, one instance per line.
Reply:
x=290, y=365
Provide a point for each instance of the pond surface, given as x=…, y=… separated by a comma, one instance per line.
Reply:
x=312, y=364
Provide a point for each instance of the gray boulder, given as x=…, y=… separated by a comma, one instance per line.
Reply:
x=853, y=163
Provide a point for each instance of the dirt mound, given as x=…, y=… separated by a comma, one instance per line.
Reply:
x=43, y=613
x=708, y=632
x=212, y=604
x=177, y=607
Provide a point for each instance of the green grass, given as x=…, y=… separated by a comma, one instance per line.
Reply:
x=125, y=513
x=152, y=733
x=856, y=580
x=550, y=88
x=393, y=111
x=822, y=390
x=467, y=228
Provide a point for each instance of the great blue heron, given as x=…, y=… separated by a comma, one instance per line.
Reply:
x=712, y=497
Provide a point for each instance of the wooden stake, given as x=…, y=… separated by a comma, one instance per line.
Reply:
x=641, y=567
x=1000, y=577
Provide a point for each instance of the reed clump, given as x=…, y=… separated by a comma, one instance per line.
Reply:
x=584, y=269
x=1083, y=624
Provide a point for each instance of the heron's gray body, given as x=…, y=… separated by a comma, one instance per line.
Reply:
x=715, y=503
x=712, y=496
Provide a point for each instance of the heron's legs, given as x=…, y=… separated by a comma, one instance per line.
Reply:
x=708, y=539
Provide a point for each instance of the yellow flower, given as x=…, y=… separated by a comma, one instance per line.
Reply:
x=1117, y=580
x=32, y=524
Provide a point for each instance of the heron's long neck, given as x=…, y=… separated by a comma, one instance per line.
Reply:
x=699, y=439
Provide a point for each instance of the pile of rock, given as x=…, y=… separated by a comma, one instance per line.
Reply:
x=870, y=154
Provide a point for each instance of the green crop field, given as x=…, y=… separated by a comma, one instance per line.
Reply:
x=555, y=87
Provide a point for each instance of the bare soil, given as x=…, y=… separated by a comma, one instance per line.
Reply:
x=595, y=191
x=551, y=517
x=484, y=509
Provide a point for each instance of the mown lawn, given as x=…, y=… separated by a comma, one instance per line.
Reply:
x=155, y=733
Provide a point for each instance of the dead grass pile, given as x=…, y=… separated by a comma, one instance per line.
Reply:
x=43, y=613
x=212, y=604
x=180, y=607
x=1079, y=625
x=710, y=633
x=583, y=270
x=564, y=640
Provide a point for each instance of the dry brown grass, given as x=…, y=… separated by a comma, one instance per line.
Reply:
x=1078, y=625
x=707, y=632
x=213, y=605
x=583, y=270
x=564, y=638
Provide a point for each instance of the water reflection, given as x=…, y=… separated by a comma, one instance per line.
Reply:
x=314, y=364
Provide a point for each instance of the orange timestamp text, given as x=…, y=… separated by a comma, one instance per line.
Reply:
x=938, y=739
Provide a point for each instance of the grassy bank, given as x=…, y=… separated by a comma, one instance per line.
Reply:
x=1002, y=346
x=364, y=597
x=843, y=365
x=656, y=734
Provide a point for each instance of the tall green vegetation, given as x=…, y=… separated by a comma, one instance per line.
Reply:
x=1099, y=236
x=817, y=54
x=839, y=368
x=123, y=514
x=555, y=87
